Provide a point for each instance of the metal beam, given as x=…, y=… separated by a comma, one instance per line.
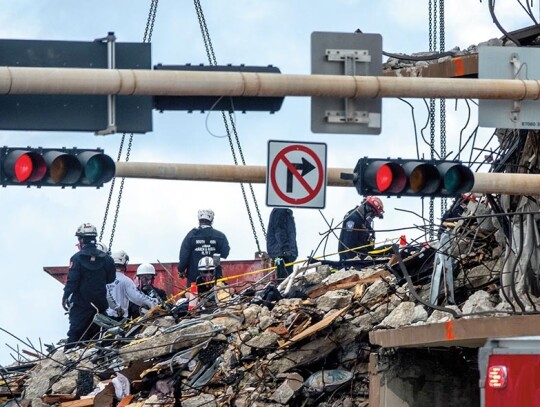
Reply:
x=78, y=81
x=488, y=183
x=460, y=332
x=457, y=67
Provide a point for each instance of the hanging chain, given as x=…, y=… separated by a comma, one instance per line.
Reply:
x=205, y=34
x=430, y=22
x=250, y=185
x=111, y=190
x=120, y=190
x=432, y=155
x=444, y=201
x=432, y=47
x=441, y=27
x=213, y=61
x=149, y=29
x=226, y=123
x=147, y=37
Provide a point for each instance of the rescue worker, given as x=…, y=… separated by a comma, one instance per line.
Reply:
x=123, y=290
x=455, y=211
x=201, y=242
x=146, y=274
x=357, y=228
x=207, y=277
x=210, y=291
x=281, y=238
x=90, y=270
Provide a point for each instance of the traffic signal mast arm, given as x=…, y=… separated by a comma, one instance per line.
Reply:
x=81, y=81
x=488, y=183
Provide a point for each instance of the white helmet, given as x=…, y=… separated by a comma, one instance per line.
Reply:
x=86, y=230
x=102, y=247
x=206, y=264
x=207, y=214
x=120, y=257
x=146, y=269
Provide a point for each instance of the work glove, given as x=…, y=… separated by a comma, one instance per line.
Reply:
x=66, y=304
x=119, y=312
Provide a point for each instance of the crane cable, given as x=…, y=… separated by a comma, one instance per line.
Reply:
x=213, y=61
x=147, y=37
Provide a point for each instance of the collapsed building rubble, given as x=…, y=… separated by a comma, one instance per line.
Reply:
x=264, y=348
x=304, y=341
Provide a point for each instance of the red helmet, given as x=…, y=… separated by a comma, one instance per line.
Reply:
x=376, y=204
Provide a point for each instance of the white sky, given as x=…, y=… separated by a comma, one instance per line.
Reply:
x=38, y=225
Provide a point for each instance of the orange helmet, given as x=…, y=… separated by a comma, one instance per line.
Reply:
x=376, y=204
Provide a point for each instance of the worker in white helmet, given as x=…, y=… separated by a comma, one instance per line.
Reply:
x=123, y=290
x=146, y=274
x=209, y=289
x=201, y=242
x=85, y=292
x=207, y=277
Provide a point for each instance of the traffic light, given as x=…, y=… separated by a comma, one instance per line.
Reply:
x=62, y=167
x=219, y=103
x=401, y=177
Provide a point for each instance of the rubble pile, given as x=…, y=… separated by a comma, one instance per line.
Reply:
x=414, y=62
x=248, y=352
x=302, y=342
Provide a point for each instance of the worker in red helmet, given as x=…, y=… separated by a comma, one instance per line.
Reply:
x=357, y=232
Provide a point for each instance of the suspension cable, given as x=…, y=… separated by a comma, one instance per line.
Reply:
x=147, y=37
x=213, y=61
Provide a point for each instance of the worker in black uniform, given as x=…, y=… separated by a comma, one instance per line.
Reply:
x=146, y=274
x=281, y=239
x=85, y=292
x=455, y=211
x=357, y=229
x=201, y=242
x=145, y=277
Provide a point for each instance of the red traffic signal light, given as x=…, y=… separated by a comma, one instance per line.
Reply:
x=400, y=177
x=55, y=167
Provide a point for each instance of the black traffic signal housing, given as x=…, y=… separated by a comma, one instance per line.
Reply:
x=42, y=167
x=218, y=103
x=402, y=177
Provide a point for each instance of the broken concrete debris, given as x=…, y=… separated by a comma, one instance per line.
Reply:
x=291, y=351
